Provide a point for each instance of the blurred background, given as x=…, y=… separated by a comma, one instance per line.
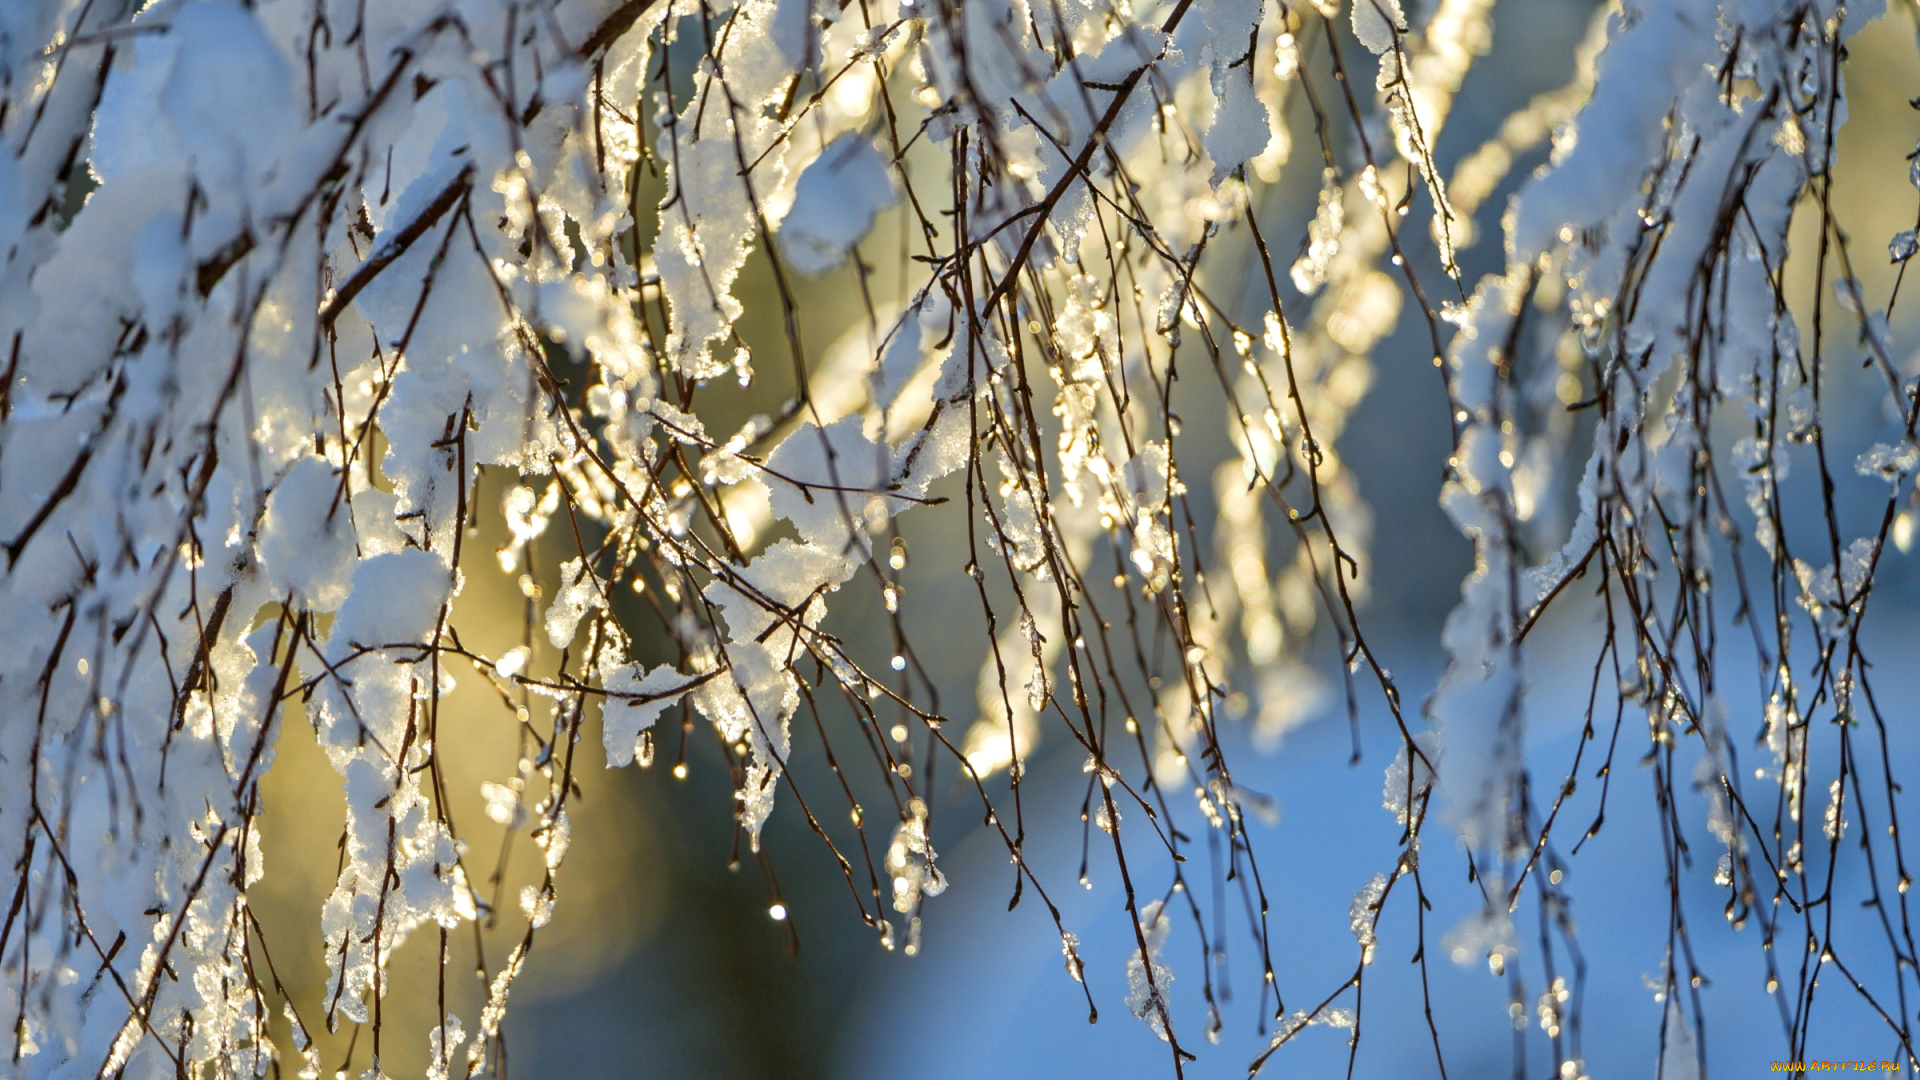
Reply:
x=662, y=959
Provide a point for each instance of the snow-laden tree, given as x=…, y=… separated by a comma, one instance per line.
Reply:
x=283, y=280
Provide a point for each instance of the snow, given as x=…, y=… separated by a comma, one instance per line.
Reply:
x=1890, y=463
x=1640, y=75
x=1241, y=126
x=1377, y=23
x=232, y=501
x=1365, y=912
x=839, y=196
x=708, y=219
x=1147, y=977
x=1323, y=237
x=307, y=537
x=580, y=592
x=395, y=599
x=224, y=56
x=827, y=480
x=633, y=702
